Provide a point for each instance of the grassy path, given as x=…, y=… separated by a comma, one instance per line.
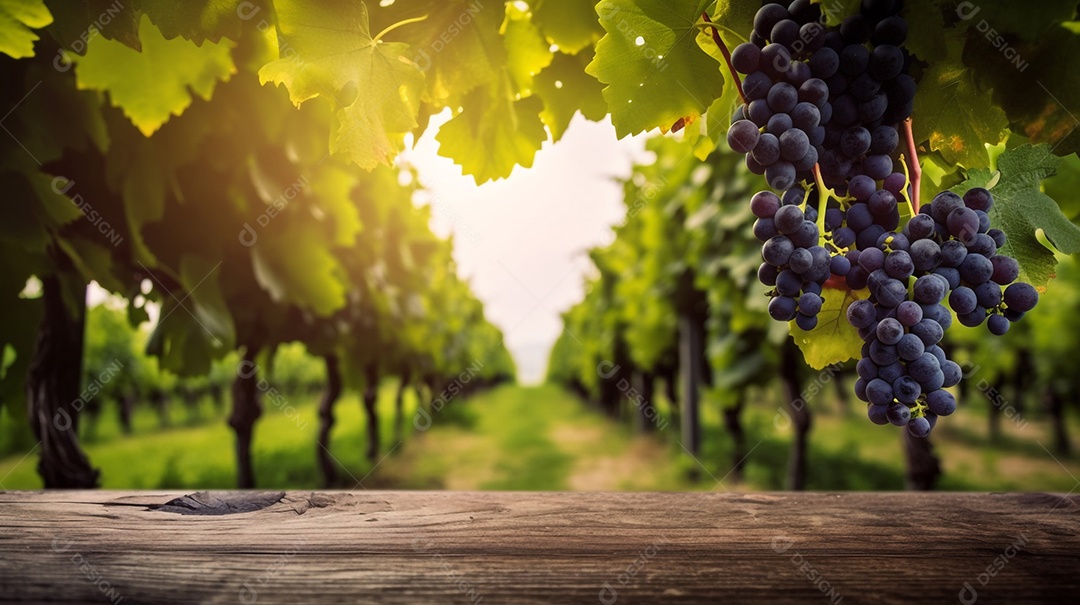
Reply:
x=528, y=438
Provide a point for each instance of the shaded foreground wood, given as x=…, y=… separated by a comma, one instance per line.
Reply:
x=462, y=547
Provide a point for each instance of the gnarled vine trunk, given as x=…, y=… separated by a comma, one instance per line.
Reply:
x=791, y=378
x=399, y=403
x=246, y=410
x=671, y=391
x=1055, y=405
x=994, y=416
x=53, y=383
x=330, y=395
x=124, y=405
x=843, y=394
x=691, y=342
x=733, y=422
x=371, y=398
x=923, y=468
x=646, y=417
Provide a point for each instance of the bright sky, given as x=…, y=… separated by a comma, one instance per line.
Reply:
x=522, y=241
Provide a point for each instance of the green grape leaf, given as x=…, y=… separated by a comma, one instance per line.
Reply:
x=1062, y=187
x=956, y=116
x=925, y=26
x=1021, y=210
x=569, y=24
x=1030, y=20
x=327, y=50
x=457, y=46
x=56, y=209
x=153, y=85
x=835, y=11
x=93, y=261
x=526, y=51
x=736, y=18
x=198, y=20
x=17, y=19
x=24, y=225
x=181, y=345
x=834, y=340
x=330, y=190
x=493, y=133
x=566, y=90
x=77, y=22
x=308, y=276
x=144, y=188
x=200, y=279
x=55, y=118
x=655, y=72
x=1039, y=87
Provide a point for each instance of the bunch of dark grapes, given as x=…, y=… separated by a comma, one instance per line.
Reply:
x=982, y=282
x=833, y=99
x=795, y=265
x=780, y=128
x=865, y=67
x=903, y=371
x=947, y=251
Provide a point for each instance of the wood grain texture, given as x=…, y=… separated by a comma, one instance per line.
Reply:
x=462, y=547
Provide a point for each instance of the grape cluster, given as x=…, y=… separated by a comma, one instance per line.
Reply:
x=833, y=99
x=947, y=251
x=965, y=252
x=903, y=371
x=780, y=128
x=870, y=91
x=795, y=265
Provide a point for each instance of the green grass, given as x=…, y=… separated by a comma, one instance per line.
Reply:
x=542, y=438
x=847, y=452
x=202, y=455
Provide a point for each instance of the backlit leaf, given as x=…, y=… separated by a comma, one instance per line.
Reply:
x=153, y=85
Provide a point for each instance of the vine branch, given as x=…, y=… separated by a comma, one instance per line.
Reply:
x=916, y=169
x=727, y=54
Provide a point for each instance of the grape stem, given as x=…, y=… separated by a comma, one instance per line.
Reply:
x=378, y=37
x=823, y=204
x=912, y=208
x=727, y=54
x=916, y=169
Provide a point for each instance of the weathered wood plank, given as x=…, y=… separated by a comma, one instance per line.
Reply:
x=416, y=547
